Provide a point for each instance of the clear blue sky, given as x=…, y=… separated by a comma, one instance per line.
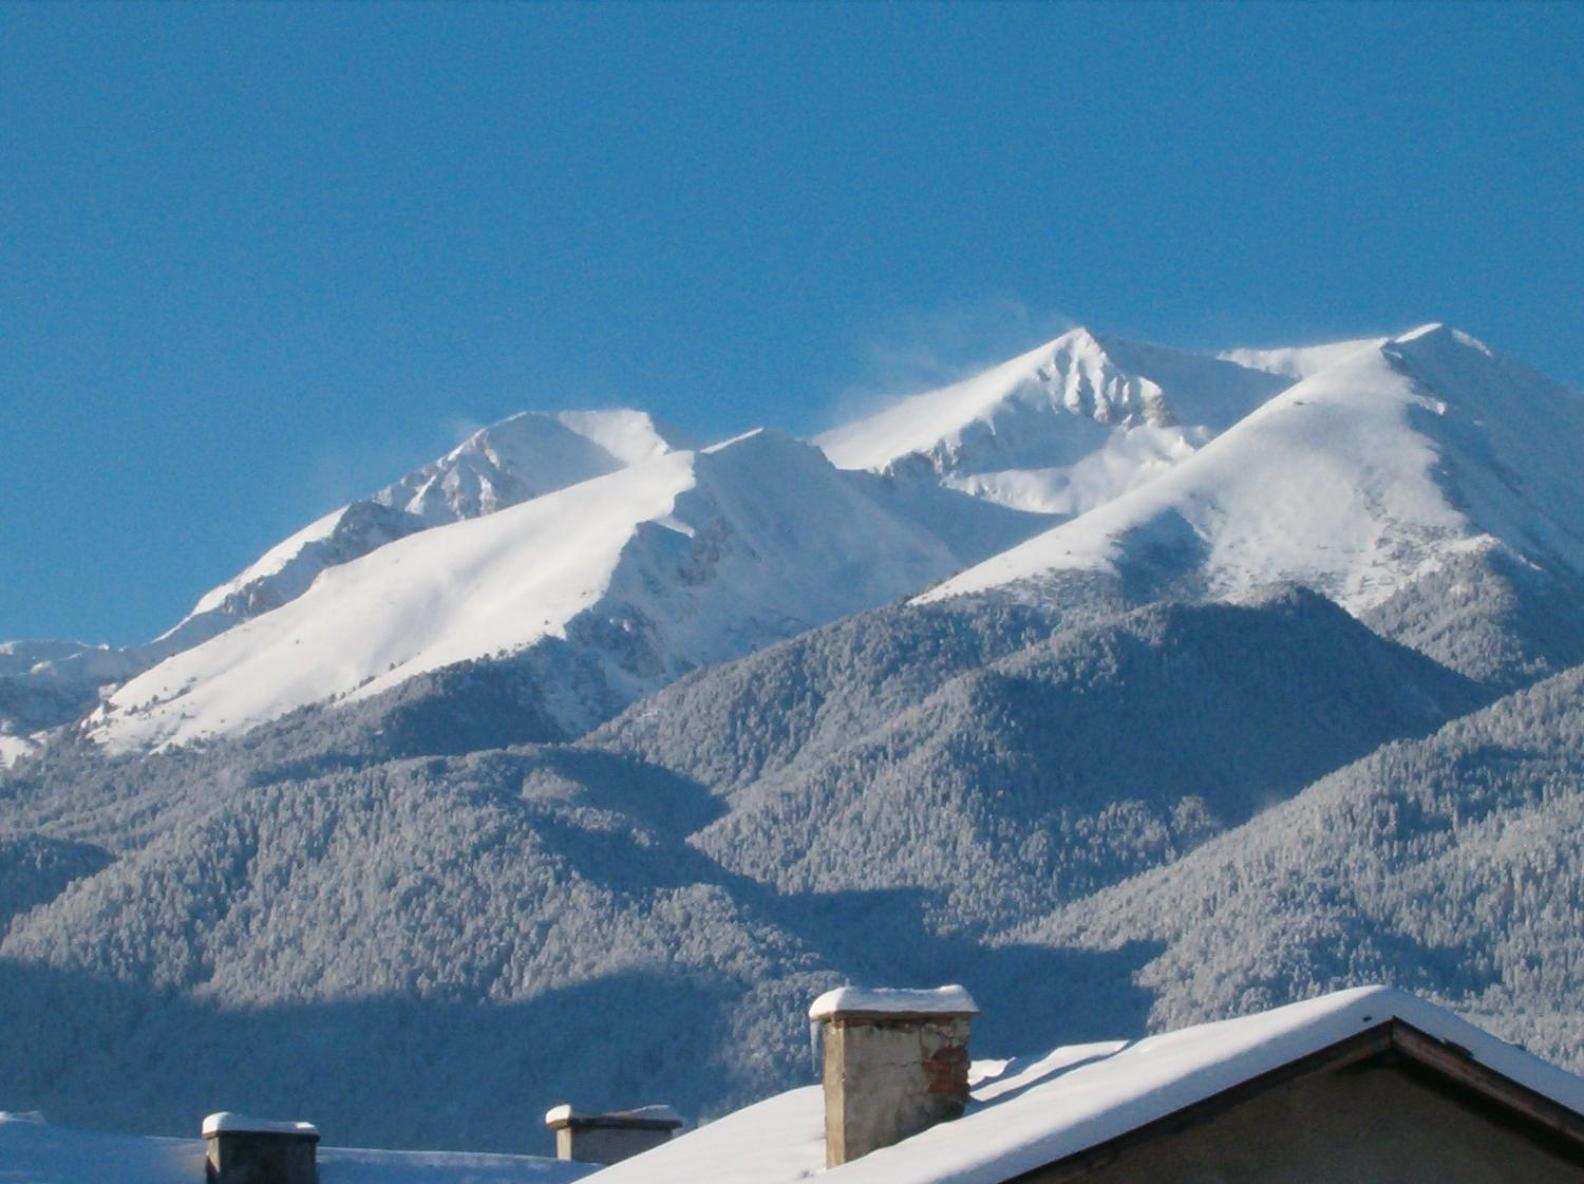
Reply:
x=257, y=260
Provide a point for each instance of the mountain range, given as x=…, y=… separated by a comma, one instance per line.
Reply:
x=1129, y=686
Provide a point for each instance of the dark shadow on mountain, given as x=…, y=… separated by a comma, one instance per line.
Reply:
x=647, y=793
x=399, y=1073
x=1033, y=997
x=35, y=869
x=1161, y=558
x=1489, y=616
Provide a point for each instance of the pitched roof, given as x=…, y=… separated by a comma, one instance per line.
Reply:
x=1035, y=1111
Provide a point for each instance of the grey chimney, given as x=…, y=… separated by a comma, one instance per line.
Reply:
x=613, y=1137
x=896, y=1062
x=242, y=1150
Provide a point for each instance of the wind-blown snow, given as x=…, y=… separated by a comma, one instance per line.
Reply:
x=1357, y=480
x=1025, y=1115
x=1300, y=361
x=689, y=558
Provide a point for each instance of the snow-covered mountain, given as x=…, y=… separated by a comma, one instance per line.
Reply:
x=516, y=460
x=612, y=558
x=633, y=578
x=47, y=683
x=1383, y=465
x=1061, y=429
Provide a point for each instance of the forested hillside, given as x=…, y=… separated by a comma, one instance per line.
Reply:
x=1448, y=865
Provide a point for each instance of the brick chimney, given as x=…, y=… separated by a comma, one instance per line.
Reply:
x=896, y=1062
x=613, y=1137
x=242, y=1150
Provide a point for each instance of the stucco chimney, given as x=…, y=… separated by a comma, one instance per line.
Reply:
x=242, y=1150
x=610, y=1138
x=896, y=1062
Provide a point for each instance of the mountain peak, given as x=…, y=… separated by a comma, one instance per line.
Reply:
x=1061, y=428
x=1439, y=339
x=1373, y=471
x=1423, y=330
x=1073, y=375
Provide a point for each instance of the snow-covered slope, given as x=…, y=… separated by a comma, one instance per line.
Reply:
x=516, y=460
x=1062, y=428
x=47, y=683
x=1368, y=474
x=688, y=558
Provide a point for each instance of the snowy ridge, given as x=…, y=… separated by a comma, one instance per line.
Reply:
x=520, y=458
x=1062, y=428
x=690, y=558
x=515, y=460
x=1357, y=480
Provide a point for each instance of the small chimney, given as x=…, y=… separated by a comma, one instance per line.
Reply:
x=610, y=1138
x=896, y=1062
x=242, y=1150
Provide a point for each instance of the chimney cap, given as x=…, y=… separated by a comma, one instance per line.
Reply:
x=893, y=1001
x=225, y=1122
x=643, y=1118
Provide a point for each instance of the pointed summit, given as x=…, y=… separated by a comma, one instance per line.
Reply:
x=1061, y=428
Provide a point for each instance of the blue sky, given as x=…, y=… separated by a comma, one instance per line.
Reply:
x=256, y=260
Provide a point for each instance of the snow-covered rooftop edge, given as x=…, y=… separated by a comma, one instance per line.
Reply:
x=1031, y=1112
x=225, y=1122
x=652, y=1115
x=33, y=1151
x=948, y=1000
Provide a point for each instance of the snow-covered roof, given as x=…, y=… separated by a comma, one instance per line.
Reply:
x=950, y=1000
x=1029, y=1112
x=655, y=1115
x=36, y=1152
x=225, y=1121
